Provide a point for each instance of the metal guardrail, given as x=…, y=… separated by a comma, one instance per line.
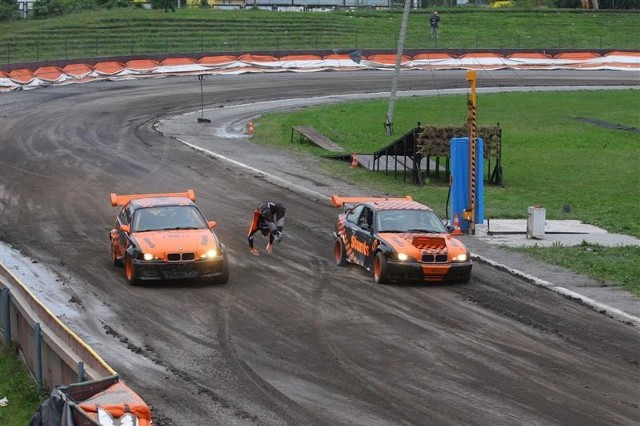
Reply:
x=52, y=352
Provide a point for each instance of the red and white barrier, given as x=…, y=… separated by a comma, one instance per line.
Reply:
x=229, y=64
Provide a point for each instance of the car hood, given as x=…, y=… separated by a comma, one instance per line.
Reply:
x=188, y=240
x=421, y=242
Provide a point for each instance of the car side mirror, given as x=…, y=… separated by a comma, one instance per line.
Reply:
x=125, y=228
x=450, y=228
x=212, y=224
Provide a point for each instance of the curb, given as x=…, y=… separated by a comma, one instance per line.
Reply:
x=611, y=312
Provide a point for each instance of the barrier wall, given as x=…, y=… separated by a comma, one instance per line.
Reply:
x=83, y=387
x=26, y=78
x=53, y=353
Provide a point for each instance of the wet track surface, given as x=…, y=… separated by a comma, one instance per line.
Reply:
x=291, y=338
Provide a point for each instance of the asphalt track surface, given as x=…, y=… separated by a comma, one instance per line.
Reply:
x=291, y=339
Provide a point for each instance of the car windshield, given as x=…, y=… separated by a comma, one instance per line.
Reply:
x=168, y=217
x=409, y=221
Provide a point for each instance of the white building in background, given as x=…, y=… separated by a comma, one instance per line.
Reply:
x=25, y=7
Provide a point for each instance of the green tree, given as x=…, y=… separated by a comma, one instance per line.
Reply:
x=8, y=10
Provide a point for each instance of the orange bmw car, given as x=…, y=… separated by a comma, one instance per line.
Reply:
x=399, y=240
x=165, y=236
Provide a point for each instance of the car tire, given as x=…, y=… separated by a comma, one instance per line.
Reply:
x=380, y=269
x=130, y=271
x=114, y=258
x=224, y=277
x=339, y=252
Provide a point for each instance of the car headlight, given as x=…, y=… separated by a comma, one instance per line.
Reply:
x=462, y=257
x=147, y=256
x=210, y=254
x=403, y=256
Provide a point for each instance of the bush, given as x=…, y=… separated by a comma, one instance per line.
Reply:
x=8, y=10
x=51, y=8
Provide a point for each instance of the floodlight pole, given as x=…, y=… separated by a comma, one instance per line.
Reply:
x=388, y=124
x=472, y=119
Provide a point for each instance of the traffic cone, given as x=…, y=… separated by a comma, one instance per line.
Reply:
x=354, y=160
x=456, y=225
x=250, y=128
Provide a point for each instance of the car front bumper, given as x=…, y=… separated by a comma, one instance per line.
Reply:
x=430, y=272
x=158, y=270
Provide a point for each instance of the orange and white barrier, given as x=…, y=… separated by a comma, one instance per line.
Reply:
x=229, y=64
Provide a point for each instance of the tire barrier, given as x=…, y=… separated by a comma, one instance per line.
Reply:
x=39, y=76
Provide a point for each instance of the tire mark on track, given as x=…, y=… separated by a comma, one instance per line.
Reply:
x=286, y=408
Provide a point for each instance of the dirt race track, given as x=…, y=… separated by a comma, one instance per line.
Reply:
x=291, y=339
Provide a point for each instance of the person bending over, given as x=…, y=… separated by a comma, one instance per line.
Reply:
x=268, y=218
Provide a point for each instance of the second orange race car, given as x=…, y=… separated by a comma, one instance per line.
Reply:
x=165, y=236
x=399, y=240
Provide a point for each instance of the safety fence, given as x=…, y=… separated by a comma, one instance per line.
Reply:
x=229, y=42
x=28, y=78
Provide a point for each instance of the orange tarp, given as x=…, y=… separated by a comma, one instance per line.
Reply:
x=78, y=70
x=577, y=56
x=217, y=60
x=257, y=58
x=386, y=59
x=178, y=61
x=142, y=65
x=22, y=76
x=48, y=73
x=528, y=55
x=109, y=67
x=432, y=56
x=300, y=58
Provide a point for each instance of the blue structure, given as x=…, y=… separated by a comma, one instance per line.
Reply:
x=460, y=185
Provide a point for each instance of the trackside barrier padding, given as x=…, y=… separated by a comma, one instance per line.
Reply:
x=229, y=64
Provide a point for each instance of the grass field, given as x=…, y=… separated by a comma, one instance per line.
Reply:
x=550, y=157
x=20, y=390
x=134, y=31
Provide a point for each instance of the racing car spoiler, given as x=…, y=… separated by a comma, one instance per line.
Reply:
x=121, y=200
x=338, y=201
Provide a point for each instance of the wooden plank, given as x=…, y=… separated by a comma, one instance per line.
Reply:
x=316, y=137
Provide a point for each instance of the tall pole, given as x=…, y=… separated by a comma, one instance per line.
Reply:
x=472, y=119
x=388, y=124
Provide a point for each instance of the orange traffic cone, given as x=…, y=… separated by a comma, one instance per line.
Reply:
x=250, y=128
x=354, y=160
x=456, y=225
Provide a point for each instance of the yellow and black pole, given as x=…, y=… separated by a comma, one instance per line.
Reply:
x=472, y=121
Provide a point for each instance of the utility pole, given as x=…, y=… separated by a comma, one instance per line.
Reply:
x=388, y=124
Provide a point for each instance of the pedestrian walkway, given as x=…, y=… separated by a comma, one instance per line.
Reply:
x=513, y=233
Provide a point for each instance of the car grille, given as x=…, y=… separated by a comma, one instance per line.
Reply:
x=177, y=257
x=434, y=258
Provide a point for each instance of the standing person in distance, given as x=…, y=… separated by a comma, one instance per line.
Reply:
x=268, y=218
x=434, y=22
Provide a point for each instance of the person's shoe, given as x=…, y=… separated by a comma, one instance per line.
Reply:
x=254, y=251
x=269, y=248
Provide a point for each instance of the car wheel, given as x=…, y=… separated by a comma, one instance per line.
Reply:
x=339, y=253
x=224, y=277
x=130, y=271
x=114, y=257
x=380, y=269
